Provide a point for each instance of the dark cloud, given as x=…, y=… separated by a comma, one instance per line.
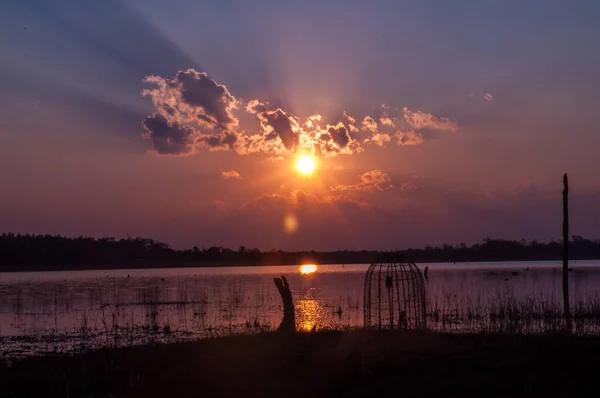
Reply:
x=169, y=137
x=219, y=141
x=334, y=140
x=339, y=134
x=410, y=138
x=194, y=97
x=198, y=90
x=276, y=124
x=193, y=110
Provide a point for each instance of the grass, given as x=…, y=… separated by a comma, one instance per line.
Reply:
x=349, y=364
x=154, y=317
x=512, y=345
x=113, y=312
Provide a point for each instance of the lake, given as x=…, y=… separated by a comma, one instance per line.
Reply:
x=69, y=311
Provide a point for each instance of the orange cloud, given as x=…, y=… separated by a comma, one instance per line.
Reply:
x=374, y=180
x=283, y=134
x=335, y=139
x=423, y=120
x=409, y=138
x=408, y=127
x=386, y=121
x=379, y=139
x=369, y=124
x=231, y=174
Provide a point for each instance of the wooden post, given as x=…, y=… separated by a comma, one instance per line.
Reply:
x=565, y=273
x=288, y=324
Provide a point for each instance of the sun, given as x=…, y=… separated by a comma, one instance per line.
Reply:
x=308, y=269
x=306, y=164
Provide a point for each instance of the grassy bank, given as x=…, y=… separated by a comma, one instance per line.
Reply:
x=353, y=363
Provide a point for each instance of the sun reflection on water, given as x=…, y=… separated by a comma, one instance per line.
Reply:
x=307, y=269
x=310, y=314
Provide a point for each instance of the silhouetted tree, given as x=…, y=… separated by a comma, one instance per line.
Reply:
x=47, y=251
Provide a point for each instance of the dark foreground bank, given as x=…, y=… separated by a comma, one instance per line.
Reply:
x=348, y=364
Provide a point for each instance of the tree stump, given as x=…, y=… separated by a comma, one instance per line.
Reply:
x=288, y=324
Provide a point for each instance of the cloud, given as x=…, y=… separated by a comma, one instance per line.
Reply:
x=409, y=138
x=220, y=141
x=193, y=97
x=339, y=134
x=276, y=124
x=335, y=139
x=169, y=138
x=408, y=127
x=408, y=217
x=312, y=121
x=488, y=97
x=422, y=120
x=386, y=121
x=369, y=124
x=194, y=111
x=258, y=143
x=374, y=180
x=351, y=120
x=411, y=186
x=283, y=134
x=379, y=139
x=231, y=175
x=300, y=201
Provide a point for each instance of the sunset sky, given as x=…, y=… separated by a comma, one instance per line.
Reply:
x=428, y=122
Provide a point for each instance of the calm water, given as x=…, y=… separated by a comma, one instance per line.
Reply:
x=73, y=310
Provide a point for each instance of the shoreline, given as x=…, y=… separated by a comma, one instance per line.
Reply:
x=110, y=267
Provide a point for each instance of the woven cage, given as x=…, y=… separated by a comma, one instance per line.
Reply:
x=394, y=296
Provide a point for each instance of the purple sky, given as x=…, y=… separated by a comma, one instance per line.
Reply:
x=182, y=120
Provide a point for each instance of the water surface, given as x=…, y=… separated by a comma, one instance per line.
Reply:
x=73, y=310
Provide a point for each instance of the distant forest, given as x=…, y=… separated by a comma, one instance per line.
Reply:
x=48, y=251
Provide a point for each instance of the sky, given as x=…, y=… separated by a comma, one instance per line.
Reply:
x=429, y=121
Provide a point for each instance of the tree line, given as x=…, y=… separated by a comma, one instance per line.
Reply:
x=55, y=251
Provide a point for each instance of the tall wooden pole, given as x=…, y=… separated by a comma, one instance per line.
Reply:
x=566, y=252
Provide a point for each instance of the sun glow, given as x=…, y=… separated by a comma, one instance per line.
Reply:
x=308, y=269
x=290, y=223
x=306, y=164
